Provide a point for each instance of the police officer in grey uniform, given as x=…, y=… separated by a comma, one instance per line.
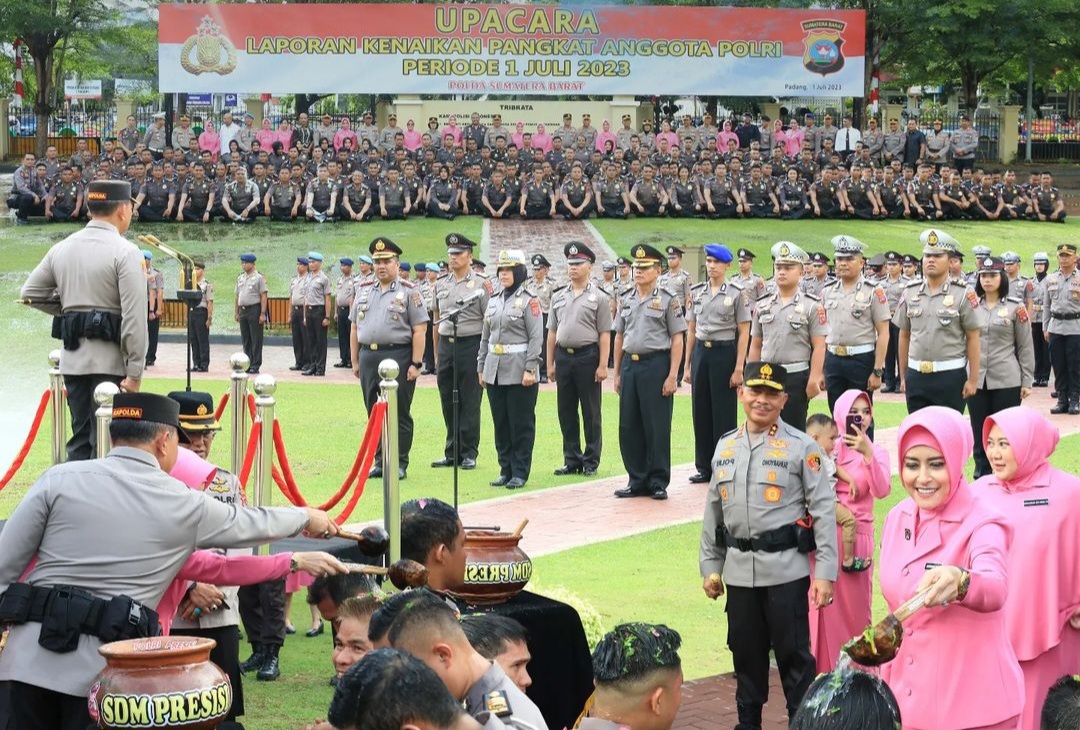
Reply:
x=939, y=320
x=858, y=312
x=389, y=319
x=183, y=134
x=1041, y=262
x=297, y=295
x=202, y=316
x=542, y=287
x=769, y=486
x=463, y=291
x=964, y=144
x=719, y=333
x=819, y=277
x=648, y=352
x=752, y=285
x=635, y=666
x=678, y=281
x=346, y=290
x=578, y=342
x=93, y=284
x=508, y=364
x=791, y=326
x=894, y=284
x=89, y=526
x=250, y=312
x=316, y=315
x=1061, y=328
x=1007, y=358
x=155, y=139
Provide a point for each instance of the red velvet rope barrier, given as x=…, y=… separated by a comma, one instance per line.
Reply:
x=357, y=474
x=251, y=405
x=249, y=454
x=21, y=456
x=221, y=407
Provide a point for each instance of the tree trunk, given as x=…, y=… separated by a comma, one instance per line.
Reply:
x=303, y=102
x=42, y=106
x=969, y=86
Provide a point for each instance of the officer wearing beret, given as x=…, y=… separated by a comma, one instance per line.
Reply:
x=92, y=283
x=346, y=290
x=639, y=678
x=89, y=526
x=939, y=320
x=858, y=339
x=389, y=319
x=316, y=315
x=508, y=365
x=466, y=292
x=791, y=326
x=578, y=343
x=752, y=285
x=648, y=352
x=1061, y=328
x=768, y=488
x=297, y=286
x=250, y=311
x=719, y=334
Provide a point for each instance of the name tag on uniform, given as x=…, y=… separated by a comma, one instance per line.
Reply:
x=728, y=301
x=931, y=566
x=1036, y=502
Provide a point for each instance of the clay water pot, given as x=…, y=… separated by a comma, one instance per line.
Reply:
x=160, y=682
x=496, y=568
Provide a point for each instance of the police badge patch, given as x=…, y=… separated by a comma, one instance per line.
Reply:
x=823, y=46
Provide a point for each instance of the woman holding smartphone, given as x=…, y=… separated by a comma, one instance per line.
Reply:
x=862, y=469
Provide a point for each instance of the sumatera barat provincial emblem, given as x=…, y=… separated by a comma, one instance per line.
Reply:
x=213, y=52
x=823, y=46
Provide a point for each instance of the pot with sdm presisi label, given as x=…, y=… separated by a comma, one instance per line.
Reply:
x=162, y=683
x=496, y=568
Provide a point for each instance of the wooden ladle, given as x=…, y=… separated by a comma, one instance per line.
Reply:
x=372, y=540
x=403, y=573
x=878, y=644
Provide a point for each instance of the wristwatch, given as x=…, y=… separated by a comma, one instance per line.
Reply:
x=880, y=372
x=293, y=565
x=418, y=364
x=965, y=583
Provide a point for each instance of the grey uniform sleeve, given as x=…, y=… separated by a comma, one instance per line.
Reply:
x=40, y=288
x=900, y=319
x=232, y=526
x=133, y=312
x=676, y=322
x=820, y=503
x=534, y=328
x=711, y=556
x=603, y=314
x=22, y=533
x=1025, y=347
x=485, y=337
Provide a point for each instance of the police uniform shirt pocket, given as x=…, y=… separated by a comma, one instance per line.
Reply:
x=766, y=317
x=914, y=312
x=654, y=313
x=796, y=320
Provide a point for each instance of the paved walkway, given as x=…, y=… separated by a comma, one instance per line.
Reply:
x=543, y=237
x=709, y=704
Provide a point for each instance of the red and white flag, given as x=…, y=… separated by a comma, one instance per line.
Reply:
x=17, y=100
x=875, y=83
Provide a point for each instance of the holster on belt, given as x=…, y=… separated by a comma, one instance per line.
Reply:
x=798, y=535
x=96, y=324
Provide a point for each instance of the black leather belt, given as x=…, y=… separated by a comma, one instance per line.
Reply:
x=376, y=347
x=716, y=343
x=1065, y=316
x=578, y=350
x=643, y=356
x=773, y=541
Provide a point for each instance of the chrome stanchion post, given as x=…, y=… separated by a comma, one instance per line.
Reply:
x=238, y=382
x=388, y=387
x=103, y=396
x=264, y=387
x=58, y=409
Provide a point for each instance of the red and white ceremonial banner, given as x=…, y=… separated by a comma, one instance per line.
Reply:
x=17, y=97
x=509, y=49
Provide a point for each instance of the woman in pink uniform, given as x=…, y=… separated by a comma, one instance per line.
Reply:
x=793, y=139
x=266, y=135
x=955, y=669
x=868, y=466
x=724, y=135
x=542, y=140
x=413, y=139
x=345, y=132
x=210, y=140
x=606, y=135
x=1042, y=610
x=518, y=137
x=452, y=129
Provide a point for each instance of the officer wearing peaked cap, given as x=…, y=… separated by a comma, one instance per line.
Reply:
x=250, y=310
x=893, y=283
x=92, y=283
x=346, y=291
x=789, y=328
x=541, y=286
x=1061, y=328
x=578, y=342
x=389, y=320
x=678, y=281
x=768, y=478
x=1041, y=263
x=819, y=275
x=719, y=333
x=858, y=338
x=648, y=351
x=463, y=290
x=940, y=321
x=752, y=285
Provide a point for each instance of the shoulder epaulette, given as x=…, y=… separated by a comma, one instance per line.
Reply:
x=559, y=288
x=670, y=293
x=913, y=282
x=407, y=284
x=702, y=285
x=735, y=284
x=369, y=282
x=813, y=297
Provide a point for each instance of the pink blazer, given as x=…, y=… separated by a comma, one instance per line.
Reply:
x=266, y=138
x=873, y=480
x=793, y=142
x=206, y=566
x=341, y=135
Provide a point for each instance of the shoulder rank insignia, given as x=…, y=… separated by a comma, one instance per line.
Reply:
x=497, y=704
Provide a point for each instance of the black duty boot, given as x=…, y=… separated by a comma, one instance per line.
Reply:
x=1061, y=407
x=1074, y=406
x=255, y=661
x=271, y=668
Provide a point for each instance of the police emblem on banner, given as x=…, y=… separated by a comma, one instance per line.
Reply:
x=823, y=46
x=214, y=52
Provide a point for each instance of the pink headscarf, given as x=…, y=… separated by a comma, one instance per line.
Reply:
x=192, y=469
x=542, y=140
x=948, y=432
x=1032, y=438
x=413, y=139
x=841, y=410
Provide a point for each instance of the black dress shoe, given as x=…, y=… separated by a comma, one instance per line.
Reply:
x=515, y=483
x=401, y=474
x=312, y=633
x=253, y=371
x=269, y=671
x=342, y=364
x=296, y=367
x=698, y=478
x=564, y=470
x=659, y=494
x=253, y=662
x=543, y=379
x=630, y=492
x=589, y=471
x=375, y=473
x=442, y=463
x=499, y=481
x=320, y=373
x=308, y=372
x=468, y=463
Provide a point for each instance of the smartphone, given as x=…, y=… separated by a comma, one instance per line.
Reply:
x=854, y=425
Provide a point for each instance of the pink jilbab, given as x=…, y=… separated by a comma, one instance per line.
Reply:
x=1043, y=505
x=956, y=668
x=210, y=140
x=849, y=615
x=542, y=140
x=413, y=139
x=605, y=136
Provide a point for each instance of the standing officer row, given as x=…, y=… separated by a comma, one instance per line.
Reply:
x=250, y=310
x=648, y=352
x=578, y=341
x=1061, y=327
x=388, y=321
x=316, y=316
x=508, y=364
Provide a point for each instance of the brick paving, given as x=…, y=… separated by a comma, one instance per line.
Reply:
x=709, y=704
x=543, y=237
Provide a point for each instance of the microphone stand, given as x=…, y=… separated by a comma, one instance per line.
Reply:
x=452, y=317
